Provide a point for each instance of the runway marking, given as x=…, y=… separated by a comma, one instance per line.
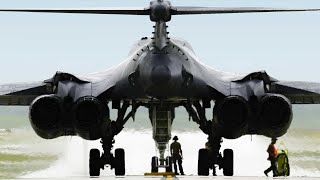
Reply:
x=169, y=177
x=164, y=174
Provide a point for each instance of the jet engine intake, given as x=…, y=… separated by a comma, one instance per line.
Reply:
x=45, y=116
x=231, y=115
x=90, y=118
x=275, y=115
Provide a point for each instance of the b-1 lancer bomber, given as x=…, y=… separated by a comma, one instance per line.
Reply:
x=161, y=73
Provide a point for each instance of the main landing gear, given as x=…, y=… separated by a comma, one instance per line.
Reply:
x=210, y=157
x=225, y=162
x=116, y=161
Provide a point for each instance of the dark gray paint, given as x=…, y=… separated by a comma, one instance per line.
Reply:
x=178, y=57
x=160, y=68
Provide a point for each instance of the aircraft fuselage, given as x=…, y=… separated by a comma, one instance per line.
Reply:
x=163, y=74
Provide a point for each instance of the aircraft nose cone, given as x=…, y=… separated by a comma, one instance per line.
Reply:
x=160, y=75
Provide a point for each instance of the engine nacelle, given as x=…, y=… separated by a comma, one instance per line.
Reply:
x=90, y=118
x=45, y=115
x=231, y=115
x=275, y=115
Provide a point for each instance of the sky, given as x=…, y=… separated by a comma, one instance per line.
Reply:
x=33, y=46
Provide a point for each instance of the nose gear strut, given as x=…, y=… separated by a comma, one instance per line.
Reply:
x=161, y=116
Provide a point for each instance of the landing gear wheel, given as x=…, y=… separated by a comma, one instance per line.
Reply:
x=94, y=162
x=228, y=162
x=203, y=162
x=120, y=169
x=169, y=164
x=154, y=164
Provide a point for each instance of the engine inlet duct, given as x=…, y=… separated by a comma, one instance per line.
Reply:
x=45, y=116
x=232, y=114
x=275, y=115
x=90, y=117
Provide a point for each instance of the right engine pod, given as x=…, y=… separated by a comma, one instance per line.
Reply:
x=275, y=115
x=232, y=115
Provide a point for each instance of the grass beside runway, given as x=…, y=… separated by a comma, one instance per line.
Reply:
x=16, y=156
x=15, y=165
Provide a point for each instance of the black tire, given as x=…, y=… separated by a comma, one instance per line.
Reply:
x=154, y=163
x=228, y=162
x=120, y=169
x=203, y=162
x=94, y=162
x=169, y=163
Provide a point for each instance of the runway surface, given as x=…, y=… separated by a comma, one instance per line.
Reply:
x=177, y=178
x=68, y=157
x=23, y=155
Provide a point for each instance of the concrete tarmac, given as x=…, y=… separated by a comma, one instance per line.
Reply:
x=176, y=178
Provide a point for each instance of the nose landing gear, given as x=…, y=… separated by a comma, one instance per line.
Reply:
x=157, y=163
x=161, y=117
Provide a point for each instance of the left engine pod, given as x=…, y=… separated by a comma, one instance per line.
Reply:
x=45, y=116
x=90, y=118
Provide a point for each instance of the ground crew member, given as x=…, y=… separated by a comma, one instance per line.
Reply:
x=176, y=154
x=272, y=151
